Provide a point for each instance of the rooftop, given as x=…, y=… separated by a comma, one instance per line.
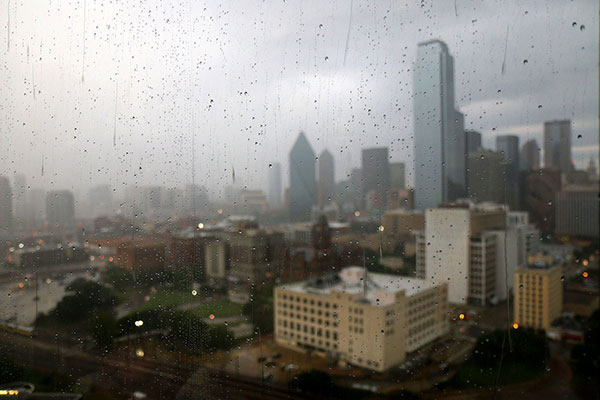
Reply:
x=380, y=288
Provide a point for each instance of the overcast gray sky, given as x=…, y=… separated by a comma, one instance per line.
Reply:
x=237, y=80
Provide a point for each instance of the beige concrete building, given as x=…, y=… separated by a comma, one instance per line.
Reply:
x=538, y=296
x=368, y=320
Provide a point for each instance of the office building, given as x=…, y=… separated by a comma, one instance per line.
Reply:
x=557, y=145
x=195, y=198
x=538, y=196
x=539, y=297
x=529, y=159
x=254, y=256
x=253, y=202
x=6, y=201
x=216, y=255
x=326, y=183
x=485, y=176
x=364, y=319
x=375, y=177
x=60, y=209
x=141, y=255
x=20, y=196
x=508, y=146
x=473, y=141
x=475, y=249
x=356, y=176
x=101, y=200
x=438, y=128
x=397, y=176
x=577, y=212
x=303, y=188
x=274, y=197
x=401, y=198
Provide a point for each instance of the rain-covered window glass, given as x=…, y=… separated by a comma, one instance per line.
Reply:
x=299, y=199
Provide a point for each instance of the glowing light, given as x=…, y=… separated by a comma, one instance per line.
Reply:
x=585, y=274
x=219, y=211
x=357, y=213
x=585, y=262
x=21, y=285
x=194, y=292
x=9, y=392
x=211, y=316
x=461, y=316
x=111, y=259
x=139, y=352
x=200, y=225
x=21, y=245
x=515, y=326
x=381, y=228
x=139, y=323
x=268, y=275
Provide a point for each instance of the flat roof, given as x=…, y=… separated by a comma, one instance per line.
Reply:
x=351, y=280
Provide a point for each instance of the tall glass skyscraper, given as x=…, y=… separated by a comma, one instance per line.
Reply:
x=303, y=187
x=438, y=128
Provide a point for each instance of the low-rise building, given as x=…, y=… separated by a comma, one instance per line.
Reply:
x=538, y=297
x=365, y=319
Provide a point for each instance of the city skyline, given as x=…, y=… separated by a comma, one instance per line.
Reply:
x=332, y=76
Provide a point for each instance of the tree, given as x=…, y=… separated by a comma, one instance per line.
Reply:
x=525, y=347
x=260, y=308
x=586, y=357
x=84, y=297
x=104, y=329
x=9, y=370
x=313, y=381
x=117, y=277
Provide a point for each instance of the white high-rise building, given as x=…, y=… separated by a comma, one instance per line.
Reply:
x=438, y=129
x=475, y=249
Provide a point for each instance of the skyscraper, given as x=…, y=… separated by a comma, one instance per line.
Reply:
x=326, y=177
x=438, y=128
x=6, y=211
x=101, y=200
x=274, y=197
x=473, y=141
x=529, y=158
x=20, y=193
x=60, y=209
x=508, y=146
x=485, y=175
x=557, y=145
x=397, y=175
x=303, y=188
x=375, y=176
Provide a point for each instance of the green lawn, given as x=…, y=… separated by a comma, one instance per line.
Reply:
x=471, y=375
x=168, y=299
x=219, y=308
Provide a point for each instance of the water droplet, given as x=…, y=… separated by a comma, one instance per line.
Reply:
x=539, y=106
x=579, y=136
x=525, y=61
x=320, y=26
x=326, y=58
x=574, y=24
x=582, y=28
